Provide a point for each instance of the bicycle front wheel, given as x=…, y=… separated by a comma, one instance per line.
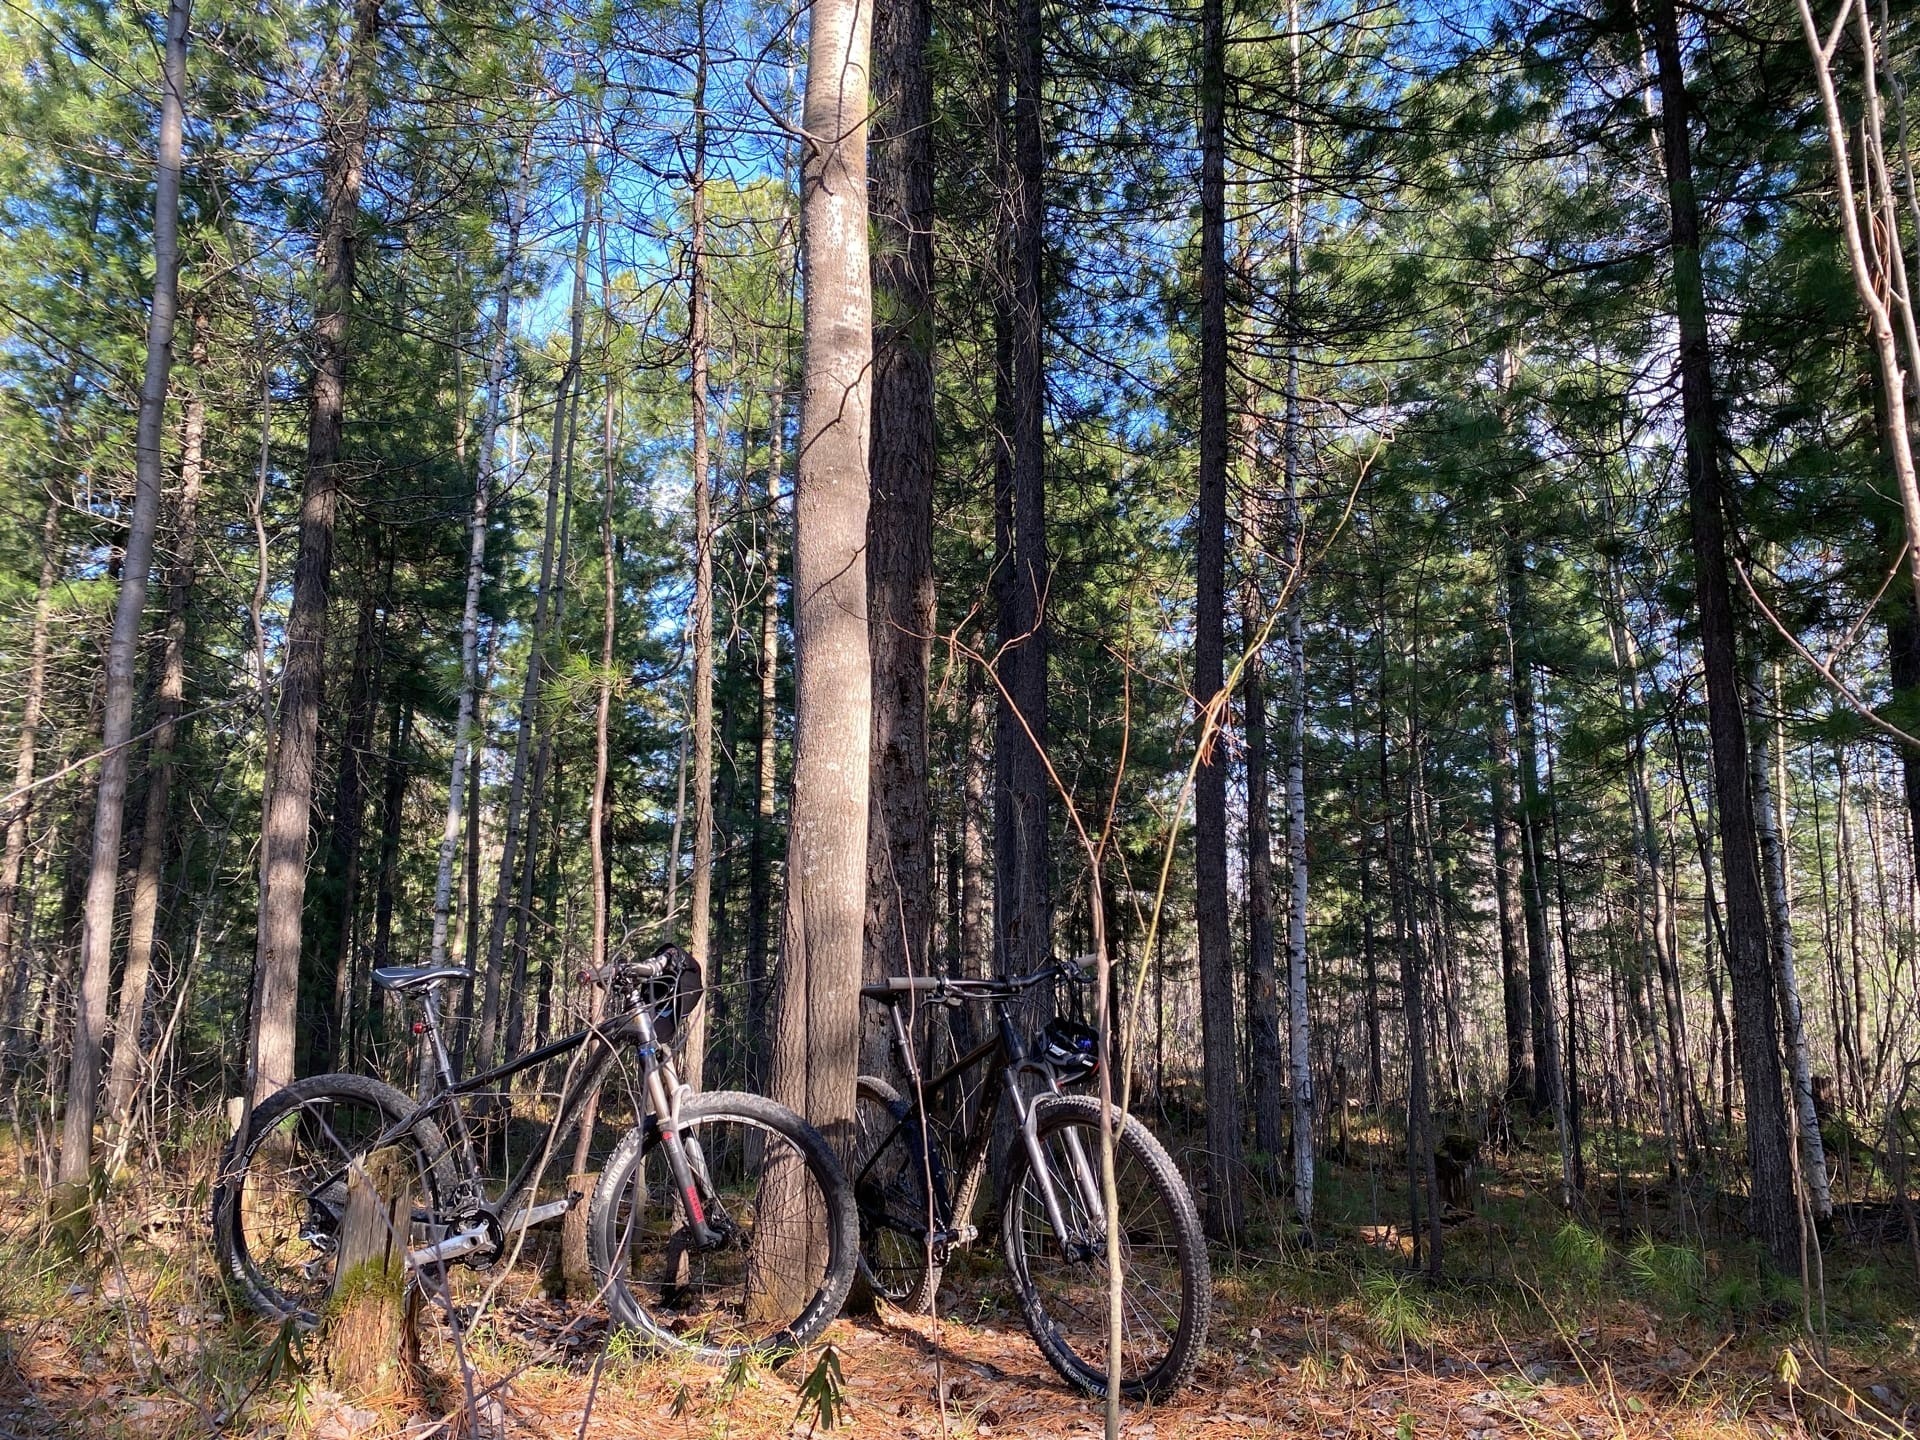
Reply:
x=1166, y=1288
x=780, y=1257
x=282, y=1189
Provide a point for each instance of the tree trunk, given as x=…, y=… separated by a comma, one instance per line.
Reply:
x=289, y=803
x=1219, y=1073
x=1022, y=904
x=521, y=815
x=1265, y=1060
x=816, y=1016
x=1299, y=1030
x=899, y=923
x=1516, y=1002
x=370, y=1339
x=96, y=937
x=1769, y=813
x=13, y=957
x=483, y=487
x=700, y=919
x=767, y=741
x=143, y=921
x=1774, y=1213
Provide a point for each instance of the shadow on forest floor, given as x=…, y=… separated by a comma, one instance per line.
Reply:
x=1543, y=1328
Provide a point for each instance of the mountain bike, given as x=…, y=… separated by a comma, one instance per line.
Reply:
x=721, y=1223
x=916, y=1197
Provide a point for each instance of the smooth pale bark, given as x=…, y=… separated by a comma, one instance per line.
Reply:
x=170, y=696
x=1022, y=796
x=484, y=482
x=13, y=958
x=899, y=924
x=816, y=1003
x=1516, y=1004
x=518, y=822
x=1770, y=1172
x=700, y=918
x=123, y=647
x=1218, y=1027
x=289, y=802
x=1769, y=811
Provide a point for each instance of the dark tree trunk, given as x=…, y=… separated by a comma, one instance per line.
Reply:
x=899, y=920
x=1515, y=995
x=1217, y=1027
x=1774, y=1211
x=1022, y=883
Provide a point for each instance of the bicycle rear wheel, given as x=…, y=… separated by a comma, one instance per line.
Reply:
x=778, y=1207
x=891, y=1164
x=1166, y=1288
x=282, y=1188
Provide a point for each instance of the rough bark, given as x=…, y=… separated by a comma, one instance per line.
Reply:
x=700, y=918
x=370, y=1340
x=1022, y=882
x=123, y=648
x=1774, y=1213
x=816, y=1018
x=1220, y=1079
x=289, y=802
x=899, y=923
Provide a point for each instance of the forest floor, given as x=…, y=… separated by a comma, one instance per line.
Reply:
x=1542, y=1329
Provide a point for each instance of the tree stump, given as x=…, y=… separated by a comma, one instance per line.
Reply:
x=370, y=1342
x=571, y=1277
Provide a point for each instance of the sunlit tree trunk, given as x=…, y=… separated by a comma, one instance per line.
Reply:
x=289, y=804
x=96, y=936
x=170, y=696
x=700, y=918
x=816, y=1003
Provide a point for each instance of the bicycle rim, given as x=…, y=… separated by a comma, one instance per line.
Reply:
x=293, y=1197
x=1064, y=1279
x=768, y=1212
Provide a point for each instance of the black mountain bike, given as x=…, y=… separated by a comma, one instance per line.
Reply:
x=916, y=1197
x=721, y=1223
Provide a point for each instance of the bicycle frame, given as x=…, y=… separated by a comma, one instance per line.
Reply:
x=486, y=1224
x=1002, y=1083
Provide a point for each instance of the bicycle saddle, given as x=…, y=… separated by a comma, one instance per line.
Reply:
x=412, y=977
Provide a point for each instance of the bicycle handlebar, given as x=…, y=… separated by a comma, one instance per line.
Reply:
x=894, y=988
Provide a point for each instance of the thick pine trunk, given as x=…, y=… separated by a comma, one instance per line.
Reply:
x=816, y=1017
x=289, y=804
x=1022, y=799
x=1774, y=1212
x=1219, y=1073
x=96, y=936
x=170, y=696
x=899, y=923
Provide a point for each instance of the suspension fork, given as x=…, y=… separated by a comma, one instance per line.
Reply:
x=681, y=1154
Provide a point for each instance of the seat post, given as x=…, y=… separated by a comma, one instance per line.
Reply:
x=433, y=1058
